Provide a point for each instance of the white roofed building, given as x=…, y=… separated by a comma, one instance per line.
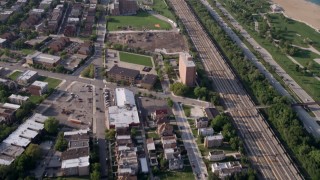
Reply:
x=27, y=77
x=17, y=99
x=43, y=59
x=125, y=113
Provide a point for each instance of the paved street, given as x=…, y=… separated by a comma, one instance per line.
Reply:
x=308, y=121
x=191, y=146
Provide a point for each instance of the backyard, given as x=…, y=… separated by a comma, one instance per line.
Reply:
x=14, y=75
x=52, y=82
x=135, y=59
x=141, y=21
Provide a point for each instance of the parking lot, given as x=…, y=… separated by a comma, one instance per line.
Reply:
x=74, y=107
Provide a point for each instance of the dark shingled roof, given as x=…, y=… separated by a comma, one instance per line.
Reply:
x=124, y=71
x=149, y=79
x=75, y=153
x=211, y=112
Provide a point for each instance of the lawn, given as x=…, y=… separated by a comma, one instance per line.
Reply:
x=304, y=57
x=27, y=51
x=36, y=99
x=52, y=82
x=186, y=174
x=143, y=20
x=161, y=7
x=296, y=31
x=153, y=135
x=14, y=75
x=136, y=59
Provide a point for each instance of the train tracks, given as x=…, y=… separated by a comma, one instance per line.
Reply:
x=263, y=148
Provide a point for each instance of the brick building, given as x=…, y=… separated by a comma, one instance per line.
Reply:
x=187, y=69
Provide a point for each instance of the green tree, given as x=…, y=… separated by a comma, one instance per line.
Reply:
x=110, y=134
x=170, y=102
x=33, y=151
x=61, y=143
x=95, y=175
x=133, y=132
x=219, y=121
x=51, y=125
x=179, y=89
x=201, y=92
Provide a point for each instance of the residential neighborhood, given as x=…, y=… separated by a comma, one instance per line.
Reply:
x=158, y=90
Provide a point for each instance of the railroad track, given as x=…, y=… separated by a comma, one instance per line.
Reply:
x=264, y=150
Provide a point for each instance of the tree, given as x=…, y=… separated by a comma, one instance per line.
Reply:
x=95, y=175
x=60, y=68
x=219, y=121
x=170, y=102
x=133, y=132
x=33, y=151
x=200, y=92
x=110, y=134
x=61, y=143
x=179, y=89
x=163, y=163
x=51, y=125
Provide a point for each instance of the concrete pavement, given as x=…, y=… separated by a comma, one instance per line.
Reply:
x=190, y=145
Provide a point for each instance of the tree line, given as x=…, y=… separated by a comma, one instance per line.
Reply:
x=301, y=145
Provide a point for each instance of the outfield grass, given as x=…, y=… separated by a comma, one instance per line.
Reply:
x=14, y=75
x=161, y=7
x=135, y=59
x=296, y=31
x=52, y=82
x=143, y=20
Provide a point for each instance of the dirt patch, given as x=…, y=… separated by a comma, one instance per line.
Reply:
x=172, y=42
x=157, y=25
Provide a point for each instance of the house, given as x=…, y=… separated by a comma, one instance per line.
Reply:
x=144, y=165
x=3, y=43
x=4, y=15
x=216, y=155
x=85, y=48
x=128, y=162
x=160, y=116
x=58, y=44
x=30, y=22
x=117, y=74
x=213, y=141
x=38, y=88
x=17, y=99
x=226, y=168
x=205, y=131
x=27, y=77
x=152, y=152
x=148, y=81
x=77, y=139
x=202, y=122
x=123, y=140
x=70, y=30
x=211, y=112
x=9, y=36
x=165, y=129
x=169, y=142
x=6, y=114
x=176, y=163
x=75, y=162
x=46, y=60
x=76, y=10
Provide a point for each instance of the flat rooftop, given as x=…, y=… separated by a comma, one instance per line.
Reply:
x=45, y=58
x=123, y=117
x=77, y=162
x=19, y=97
x=40, y=84
x=25, y=76
x=124, y=96
x=187, y=59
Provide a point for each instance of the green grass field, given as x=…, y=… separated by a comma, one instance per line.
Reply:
x=136, y=59
x=186, y=174
x=142, y=20
x=52, y=82
x=304, y=57
x=161, y=7
x=36, y=99
x=15, y=75
x=296, y=31
x=27, y=51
